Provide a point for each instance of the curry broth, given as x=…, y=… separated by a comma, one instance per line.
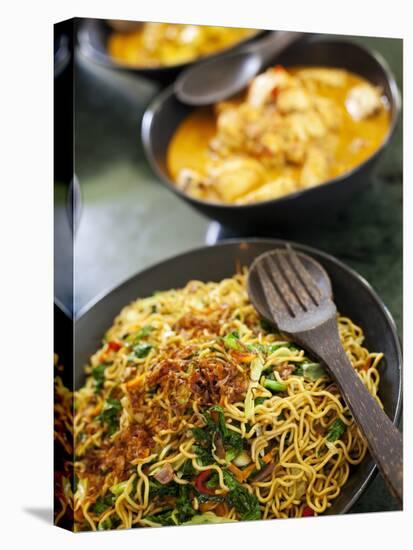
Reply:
x=356, y=140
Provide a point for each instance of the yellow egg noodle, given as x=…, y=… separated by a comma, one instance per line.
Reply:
x=196, y=411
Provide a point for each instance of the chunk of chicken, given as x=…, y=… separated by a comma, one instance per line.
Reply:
x=363, y=101
x=195, y=184
x=272, y=144
x=230, y=127
x=336, y=78
x=236, y=176
x=305, y=126
x=271, y=190
x=187, y=178
x=315, y=169
x=262, y=88
x=328, y=111
x=293, y=99
x=295, y=152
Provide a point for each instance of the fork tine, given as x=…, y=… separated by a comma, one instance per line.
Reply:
x=272, y=295
x=297, y=288
x=283, y=286
x=303, y=275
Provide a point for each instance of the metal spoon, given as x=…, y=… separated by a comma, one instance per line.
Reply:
x=293, y=291
x=211, y=81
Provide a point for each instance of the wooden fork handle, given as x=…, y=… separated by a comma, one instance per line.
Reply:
x=383, y=438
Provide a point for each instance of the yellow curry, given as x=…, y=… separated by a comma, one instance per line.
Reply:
x=163, y=44
x=292, y=129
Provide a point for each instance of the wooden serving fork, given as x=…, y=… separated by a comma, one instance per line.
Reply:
x=293, y=291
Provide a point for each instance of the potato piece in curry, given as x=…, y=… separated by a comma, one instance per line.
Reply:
x=292, y=129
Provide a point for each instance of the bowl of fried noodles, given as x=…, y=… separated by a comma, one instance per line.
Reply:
x=189, y=408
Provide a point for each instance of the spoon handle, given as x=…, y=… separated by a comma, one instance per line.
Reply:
x=273, y=43
x=383, y=438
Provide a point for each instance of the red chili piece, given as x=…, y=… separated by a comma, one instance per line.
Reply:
x=114, y=346
x=200, y=481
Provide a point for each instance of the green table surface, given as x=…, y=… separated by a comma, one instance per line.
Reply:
x=129, y=220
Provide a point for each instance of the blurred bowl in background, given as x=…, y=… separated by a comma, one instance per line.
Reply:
x=92, y=38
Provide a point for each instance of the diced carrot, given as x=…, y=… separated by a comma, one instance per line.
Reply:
x=242, y=357
x=135, y=383
x=236, y=471
x=207, y=506
x=221, y=510
x=246, y=472
x=266, y=458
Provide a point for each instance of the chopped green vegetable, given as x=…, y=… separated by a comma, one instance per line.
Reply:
x=110, y=414
x=257, y=347
x=141, y=350
x=336, y=430
x=98, y=374
x=204, y=454
x=164, y=518
x=246, y=503
x=118, y=488
x=213, y=481
x=268, y=349
x=310, y=371
x=273, y=385
x=183, y=504
x=231, y=341
x=231, y=440
x=288, y=345
x=105, y=525
x=157, y=489
x=260, y=400
x=207, y=517
x=182, y=512
x=249, y=404
x=187, y=470
x=145, y=330
x=102, y=504
x=256, y=369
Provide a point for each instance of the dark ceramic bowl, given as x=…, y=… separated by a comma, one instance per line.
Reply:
x=92, y=37
x=353, y=295
x=165, y=114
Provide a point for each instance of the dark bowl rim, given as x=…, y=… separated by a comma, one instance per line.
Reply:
x=371, y=473
x=106, y=61
x=156, y=104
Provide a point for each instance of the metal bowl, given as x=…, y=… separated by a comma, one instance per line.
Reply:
x=166, y=113
x=92, y=37
x=353, y=295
